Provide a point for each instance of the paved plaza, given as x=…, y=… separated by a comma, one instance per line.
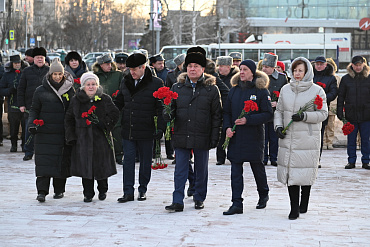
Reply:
x=338, y=212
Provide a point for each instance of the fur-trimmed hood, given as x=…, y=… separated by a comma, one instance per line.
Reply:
x=352, y=73
x=97, y=69
x=208, y=79
x=261, y=79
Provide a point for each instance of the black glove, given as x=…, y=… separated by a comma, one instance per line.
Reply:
x=100, y=125
x=298, y=117
x=32, y=130
x=213, y=144
x=158, y=134
x=279, y=132
x=12, y=90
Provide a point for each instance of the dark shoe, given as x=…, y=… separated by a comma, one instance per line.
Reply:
x=170, y=157
x=190, y=191
x=293, y=215
x=366, y=166
x=305, y=197
x=58, y=195
x=273, y=163
x=27, y=157
x=142, y=196
x=87, y=199
x=350, y=166
x=198, y=205
x=262, y=202
x=319, y=166
x=177, y=207
x=174, y=162
x=13, y=149
x=119, y=162
x=233, y=210
x=40, y=197
x=102, y=196
x=126, y=198
x=220, y=162
x=294, y=202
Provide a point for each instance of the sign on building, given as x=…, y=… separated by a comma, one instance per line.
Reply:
x=11, y=34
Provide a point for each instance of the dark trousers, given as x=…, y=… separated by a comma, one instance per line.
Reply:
x=237, y=181
x=271, y=143
x=201, y=157
x=322, y=134
x=1, y=118
x=43, y=184
x=220, y=152
x=15, y=120
x=88, y=185
x=364, y=129
x=28, y=148
x=145, y=155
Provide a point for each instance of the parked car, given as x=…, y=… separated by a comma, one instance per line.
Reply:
x=53, y=55
x=90, y=61
x=96, y=54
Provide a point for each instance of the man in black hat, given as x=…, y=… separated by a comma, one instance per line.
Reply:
x=31, y=78
x=28, y=56
x=8, y=87
x=324, y=77
x=139, y=108
x=197, y=113
x=120, y=60
x=353, y=94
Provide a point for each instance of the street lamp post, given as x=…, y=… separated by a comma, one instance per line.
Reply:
x=152, y=15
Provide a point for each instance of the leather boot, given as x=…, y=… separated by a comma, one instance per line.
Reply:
x=294, y=202
x=305, y=196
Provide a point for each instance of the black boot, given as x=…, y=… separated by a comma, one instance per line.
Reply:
x=305, y=196
x=294, y=202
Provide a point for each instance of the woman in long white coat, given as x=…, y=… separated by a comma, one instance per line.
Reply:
x=299, y=146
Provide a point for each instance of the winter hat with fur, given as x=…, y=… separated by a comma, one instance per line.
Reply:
x=38, y=51
x=73, y=55
x=179, y=59
x=87, y=76
x=225, y=60
x=270, y=60
x=56, y=66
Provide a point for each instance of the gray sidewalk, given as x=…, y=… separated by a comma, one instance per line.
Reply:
x=338, y=212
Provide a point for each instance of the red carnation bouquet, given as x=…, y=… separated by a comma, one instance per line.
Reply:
x=166, y=96
x=249, y=106
x=77, y=81
x=275, y=96
x=347, y=127
x=37, y=122
x=158, y=161
x=91, y=117
x=323, y=85
x=314, y=103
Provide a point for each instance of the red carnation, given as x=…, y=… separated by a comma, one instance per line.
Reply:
x=91, y=110
x=323, y=85
x=348, y=128
x=17, y=71
x=77, y=81
x=115, y=94
x=88, y=122
x=318, y=102
x=84, y=114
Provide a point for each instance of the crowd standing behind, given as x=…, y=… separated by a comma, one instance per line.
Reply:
x=74, y=137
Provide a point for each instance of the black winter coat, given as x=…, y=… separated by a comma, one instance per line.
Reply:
x=10, y=80
x=31, y=78
x=92, y=152
x=139, y=107
x=247, y=143
x=197, y=113
x=52, y=155
x=277, y=81
x=172, y=77
x=326, y=76
x=354, y=96
x=77, y=73
x=226, y=78
x=211, y=70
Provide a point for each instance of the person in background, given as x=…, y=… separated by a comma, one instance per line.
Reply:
x=120, y=59
x=299, y=147
x=226, y=69
x=92, y=147
x=31, y=78
x=47, y=61
x=52, y=156
x=277, y=81
x=237, y=58
x=172, y=75
x=76, y=67
x=353, y=105
x=280, y=67
x=8, y=87
x=28, y=57
x=247, y=141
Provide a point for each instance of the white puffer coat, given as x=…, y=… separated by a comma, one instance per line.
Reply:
x=299, y=151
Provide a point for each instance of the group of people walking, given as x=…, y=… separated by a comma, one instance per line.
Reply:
x=82, y=123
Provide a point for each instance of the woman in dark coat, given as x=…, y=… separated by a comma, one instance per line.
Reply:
x=76, y=67
x=52, y=156
x=247, y=141
x=89, y=131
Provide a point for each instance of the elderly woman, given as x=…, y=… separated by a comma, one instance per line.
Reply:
x=299, y=147
x=247, y=141
x=52, y=157
x=89, y=121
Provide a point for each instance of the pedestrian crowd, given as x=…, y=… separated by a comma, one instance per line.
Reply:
x=76, y=122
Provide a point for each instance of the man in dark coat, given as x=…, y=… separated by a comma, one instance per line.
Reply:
x=324, y=77
x=197, y=126
x=226, y=70
x=277, y=81
x=31, y=78
x=354, y=97
x=139, y=107
x=172, y=75
x=247, y=141
x=8, y=87
x=120, y=59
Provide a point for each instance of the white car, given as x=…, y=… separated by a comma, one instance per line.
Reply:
x=53, y=55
